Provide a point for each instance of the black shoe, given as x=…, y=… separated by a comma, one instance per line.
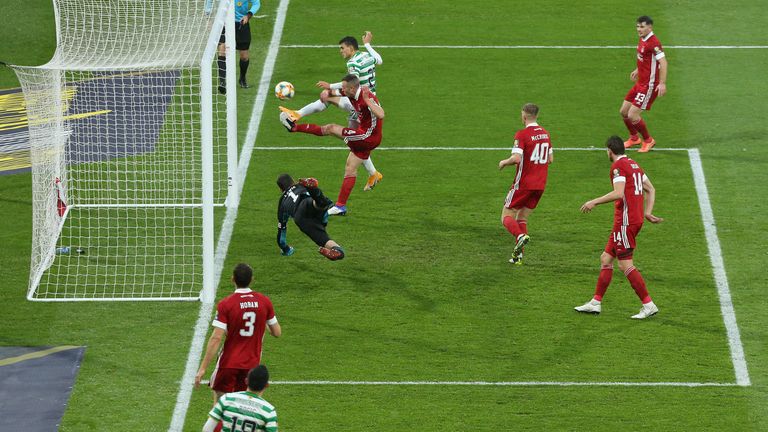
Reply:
x=243, y=84
x=222, y=90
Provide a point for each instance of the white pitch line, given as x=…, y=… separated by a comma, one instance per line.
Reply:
x=540, y=46
x=451, y=148
x=718, y=268
x=508, y=383
x=206, y=308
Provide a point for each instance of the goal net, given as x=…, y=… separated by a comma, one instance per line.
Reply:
x=132, y=149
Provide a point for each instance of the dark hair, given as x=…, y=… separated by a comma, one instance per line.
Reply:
x=349, y=40
x=243, y=275
x=258, y=378
x=531, y=110
x=285, y=181
x=645, y=19
x=352, y=79
x=616, y=145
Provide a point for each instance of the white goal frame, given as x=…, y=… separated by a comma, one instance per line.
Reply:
x=218, y=16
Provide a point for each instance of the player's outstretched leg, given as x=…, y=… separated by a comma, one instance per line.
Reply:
x=374, y=176
x=321, y=202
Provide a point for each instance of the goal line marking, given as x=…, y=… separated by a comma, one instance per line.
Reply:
x=718, y=268
x=540, y=46
x=227, y=226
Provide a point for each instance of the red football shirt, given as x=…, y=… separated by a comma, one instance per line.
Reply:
x=244, y=315
x=649, y=52
x=534, y=148
x=368, y=121
x=629, y=210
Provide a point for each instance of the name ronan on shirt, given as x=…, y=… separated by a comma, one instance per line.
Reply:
x=249, y=305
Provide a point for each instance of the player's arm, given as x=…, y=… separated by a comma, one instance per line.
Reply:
x=275, y=329
x=616, y=194
x=367, y=38
x=214, y=416
x=210, y=425
x=514, y=158
x=210, y=351
x=375, y=108
x=649, y=193
x=662, y=87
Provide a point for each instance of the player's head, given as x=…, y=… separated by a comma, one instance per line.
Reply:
x=644, y=25
x=284, y=182
x=242, y=275
x=258, y=378
x=615, y=147
x=348, y=46
x=529, y=113
x=350, y=83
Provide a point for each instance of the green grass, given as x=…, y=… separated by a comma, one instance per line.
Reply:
x=425, y=292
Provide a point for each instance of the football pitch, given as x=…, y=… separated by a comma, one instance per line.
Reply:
x=425, y=325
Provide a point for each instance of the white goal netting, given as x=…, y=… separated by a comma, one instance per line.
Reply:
x=131, y=150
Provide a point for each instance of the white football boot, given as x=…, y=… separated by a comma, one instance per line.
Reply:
x=593, y=306
x=648, y=310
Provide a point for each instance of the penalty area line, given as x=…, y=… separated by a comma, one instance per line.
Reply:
x=508, y=383
x=507, y=47
x=718, y=269
x=556, y=149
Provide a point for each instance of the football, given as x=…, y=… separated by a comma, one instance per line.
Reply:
x=284, y=90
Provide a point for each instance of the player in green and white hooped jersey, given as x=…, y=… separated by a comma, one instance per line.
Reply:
x=361, y=64
x=247, y=410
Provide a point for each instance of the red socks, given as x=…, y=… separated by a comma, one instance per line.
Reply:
x=640, y=126
x=523, y=224
x=606, y=273
x=630, y=127
x=638, y=284
x=512, y=226
x=346, y=189
x=309, y=129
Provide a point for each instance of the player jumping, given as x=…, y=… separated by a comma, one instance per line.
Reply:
x=361, y=64
x=361, y=140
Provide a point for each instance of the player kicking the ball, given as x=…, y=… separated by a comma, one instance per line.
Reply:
x=630, y=188
x=361, y=140
x=306, y=204
x=532, y=154
x=361, y=64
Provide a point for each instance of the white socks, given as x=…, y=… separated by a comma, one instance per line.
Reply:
x=315, y=107
x=368, y=164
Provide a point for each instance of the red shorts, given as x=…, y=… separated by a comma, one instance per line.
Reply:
x=642, y=96
x=518, y=198
x=229, y=380
x=621, y=242
x=360, y=142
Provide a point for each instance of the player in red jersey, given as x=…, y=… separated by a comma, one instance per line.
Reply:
x=532, y=154
x=650, y=78
x=631, y=188
x=241, y=319
x=361, y=141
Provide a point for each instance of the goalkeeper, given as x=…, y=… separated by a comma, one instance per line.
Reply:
x=306, y=204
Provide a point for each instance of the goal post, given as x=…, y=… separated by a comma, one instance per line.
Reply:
x=132, y=149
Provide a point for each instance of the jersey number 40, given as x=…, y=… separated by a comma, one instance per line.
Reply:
x=540, y=153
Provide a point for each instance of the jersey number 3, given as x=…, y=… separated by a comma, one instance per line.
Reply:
x=540, y=153
x=249, y=318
